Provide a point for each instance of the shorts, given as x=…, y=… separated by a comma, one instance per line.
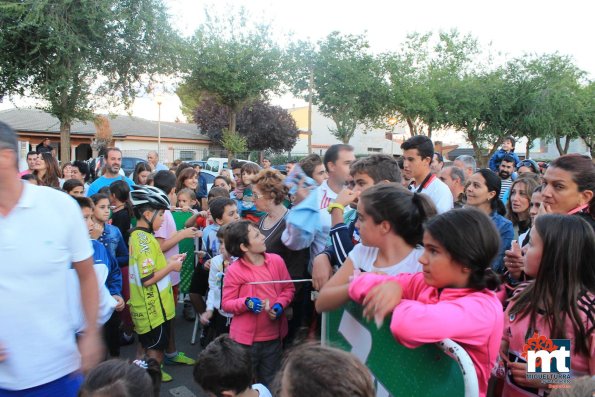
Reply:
x=157, y=338
x=200, y=281
x=66, y=386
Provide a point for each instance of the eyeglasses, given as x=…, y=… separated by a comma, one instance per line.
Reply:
x=257, y=196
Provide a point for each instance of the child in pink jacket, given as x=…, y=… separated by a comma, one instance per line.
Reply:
x=451, y=298
x=259, y=322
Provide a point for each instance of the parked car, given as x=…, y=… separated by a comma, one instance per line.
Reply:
x=216, y=164
x=209, y=177
x=200, y=163
x=129, y=163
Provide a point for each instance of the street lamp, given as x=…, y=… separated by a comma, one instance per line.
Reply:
x=159, y=100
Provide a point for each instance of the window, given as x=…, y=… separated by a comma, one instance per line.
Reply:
x=187, y=155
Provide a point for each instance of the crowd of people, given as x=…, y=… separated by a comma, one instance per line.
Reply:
x=484, y=256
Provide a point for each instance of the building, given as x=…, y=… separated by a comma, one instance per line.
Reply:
x=134, y=136
x=364, y=142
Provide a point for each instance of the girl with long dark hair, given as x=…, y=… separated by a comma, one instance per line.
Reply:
x=558, y=304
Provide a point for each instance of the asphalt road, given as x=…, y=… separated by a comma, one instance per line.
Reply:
x=182, y=385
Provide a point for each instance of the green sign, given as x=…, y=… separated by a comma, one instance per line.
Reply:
x=398, y=371
x=186, y=246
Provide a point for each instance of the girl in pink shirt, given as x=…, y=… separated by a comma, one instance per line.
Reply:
x=451, y=298
x=258, y=321
x=558, y=304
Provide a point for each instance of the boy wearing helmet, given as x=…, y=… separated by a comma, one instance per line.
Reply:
x=151, y=301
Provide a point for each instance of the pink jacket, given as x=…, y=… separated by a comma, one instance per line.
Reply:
x=469, y=317
x=236, y=289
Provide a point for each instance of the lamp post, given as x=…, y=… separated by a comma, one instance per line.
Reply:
x=159, y=100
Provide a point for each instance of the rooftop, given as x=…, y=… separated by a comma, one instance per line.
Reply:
x=34, y=120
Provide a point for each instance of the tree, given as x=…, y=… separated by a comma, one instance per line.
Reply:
x=234, y=63
x=348, y=82
x=263, y=126
x=77, y=55
x=421, y=71
x=586, y=116
x=551, y=98
x=481, y=105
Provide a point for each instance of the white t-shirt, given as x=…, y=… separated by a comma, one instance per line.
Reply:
x=363, y=258
x=326, y=194
x=39, y=240
x=262, y=390
x=438, y=192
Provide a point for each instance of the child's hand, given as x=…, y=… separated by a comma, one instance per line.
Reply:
x=513, y=260
x=519, y=375
x=205, y=318
x=119, y=303
x=239, y=195
x=191, y=232
x=346, y=197
x=254, y=305
x=275, y=311
x=187, y=208
x=201, y=254
x=176, y=261
x=207, y=265
x=381, y=301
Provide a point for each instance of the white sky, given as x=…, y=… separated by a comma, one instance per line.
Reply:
x=513, y=27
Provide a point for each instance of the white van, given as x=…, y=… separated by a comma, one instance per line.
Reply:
x=216, y=164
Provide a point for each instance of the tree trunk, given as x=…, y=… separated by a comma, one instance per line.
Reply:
x=411, y=126
x=566, y=144
x=529, y=146
x=64, y=142
x=232, y=129
x=562, y=149
x=429, y=131
x=590, y=145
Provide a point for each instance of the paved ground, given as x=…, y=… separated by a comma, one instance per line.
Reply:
x=183, y=385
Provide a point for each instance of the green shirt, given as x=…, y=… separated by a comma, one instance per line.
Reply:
x=153, y=305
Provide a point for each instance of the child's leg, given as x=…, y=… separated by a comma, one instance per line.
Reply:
x=111, y=335
x=268, y=359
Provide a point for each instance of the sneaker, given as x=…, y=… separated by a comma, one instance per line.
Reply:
x=180, y=358
x=126, y=339
x=165, y=377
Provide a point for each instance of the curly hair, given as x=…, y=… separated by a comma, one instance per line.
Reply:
x=270, y=183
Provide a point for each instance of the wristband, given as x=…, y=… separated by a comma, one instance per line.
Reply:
x=332, y=206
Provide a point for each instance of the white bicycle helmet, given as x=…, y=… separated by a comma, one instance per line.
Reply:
x=153, y=197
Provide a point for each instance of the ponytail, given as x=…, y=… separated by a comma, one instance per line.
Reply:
x=405, y=211
x=498, y=206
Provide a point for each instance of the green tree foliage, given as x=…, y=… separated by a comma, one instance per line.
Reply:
x=585, y=125
x=76, y=55
x=347, y=81
x=233, y=143
x=233, y=61
x=421, y=72
x=480, y=106
x=550, y=98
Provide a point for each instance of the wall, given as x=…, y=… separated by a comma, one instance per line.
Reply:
x=169, y=152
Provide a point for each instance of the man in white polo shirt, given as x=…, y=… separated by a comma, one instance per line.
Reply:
x=418, y=152
x=42, y=236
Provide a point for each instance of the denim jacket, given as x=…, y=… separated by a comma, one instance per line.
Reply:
x=506, y=231
x=112, y=240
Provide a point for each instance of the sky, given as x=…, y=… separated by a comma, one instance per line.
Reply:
x=513, y=27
